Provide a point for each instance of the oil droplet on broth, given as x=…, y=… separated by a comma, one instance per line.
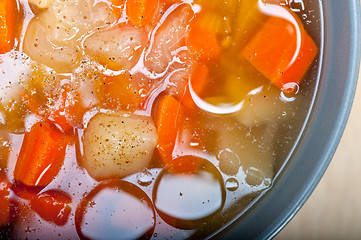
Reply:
x=229, y=162
x=144, y=178
x=255, y=178
x=232, y=184
x=115, y=210
x=188, y=201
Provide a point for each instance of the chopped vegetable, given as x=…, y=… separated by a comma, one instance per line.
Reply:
x=41, y=155
x=118, y=6
x=119, y=93
x=41, y=3
x=117, y=145
x=7, y=25
x=5, y=215
x=280, y=2
x=170, y=118
x=53, y=206
x=248, y=21
x=198, y=81
x=141, y=12
x=203, y=43
x=118, y=47
x=272, y=52
x=68, y=111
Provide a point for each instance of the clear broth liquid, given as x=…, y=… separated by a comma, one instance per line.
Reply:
x=155, y=204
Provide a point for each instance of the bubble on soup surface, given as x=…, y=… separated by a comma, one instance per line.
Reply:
x=232, y=184
x=115, y=209
x=144, y=178
x=189, y=201
x=255, y=177
x=229, y=162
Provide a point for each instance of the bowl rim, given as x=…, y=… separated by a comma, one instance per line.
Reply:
x=340, y=60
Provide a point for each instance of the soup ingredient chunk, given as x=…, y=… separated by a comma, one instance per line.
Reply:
x=7, y=25
x=118, y=47
x=282, y=51
x=41, y=3
x=41, y=155
x=169, y=40
x=53, y=206
x=170, y=121
x=53, y=37
x=4, y=200
x=141, y=12
x=116, y=145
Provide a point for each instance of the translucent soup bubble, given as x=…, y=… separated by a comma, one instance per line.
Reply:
x=115, y=209
x=189, y=201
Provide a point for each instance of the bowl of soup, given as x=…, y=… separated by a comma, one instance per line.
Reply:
x=159, y=119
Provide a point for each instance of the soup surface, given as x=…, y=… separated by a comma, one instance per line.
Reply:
x=147, y=118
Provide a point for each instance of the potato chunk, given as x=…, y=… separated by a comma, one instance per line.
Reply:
x=53, y=37
x=39, y=47
x=116, y=145
x=41, y=3
x=119, y=47
x=248, y=149
x=264, y=107
x=169, y=39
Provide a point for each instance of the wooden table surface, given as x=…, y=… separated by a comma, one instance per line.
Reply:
x=334, y=209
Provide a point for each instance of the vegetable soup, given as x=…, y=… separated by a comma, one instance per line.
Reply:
x=126, y=119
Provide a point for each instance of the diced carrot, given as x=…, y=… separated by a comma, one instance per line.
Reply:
x=279, y=2
x=198, y=81
x=118, y=6
x=41, y=155
x=7, y=25
x=203, y=43
x=185, y=164
x=74, y=108
x=58, y=114
x=120, y=93
x=30, y=102
x=168, y=120
x=4, y=200
x=53, y=206
x=141, y=12
x=170, y=117
x=67, y=112
x=272, y=49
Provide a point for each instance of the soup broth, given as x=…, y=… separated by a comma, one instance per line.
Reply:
x=152, y=119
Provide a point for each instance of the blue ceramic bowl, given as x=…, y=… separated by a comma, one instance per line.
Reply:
x=340, y=60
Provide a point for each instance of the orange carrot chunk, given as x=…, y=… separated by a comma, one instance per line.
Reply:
x=7, y=25
x=41, y=155
x=4, y=200
x=170, y=117
x=52, y=206
x=58, y=114
x=118, y=7
x=203, y=43
x=168, y=121
x=141, y=12
x=198, y=81
x=120, y=93
x=272, y=52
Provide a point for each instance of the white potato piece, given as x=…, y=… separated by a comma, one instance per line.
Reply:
x=121, y=46
x=67, y=20
x=250, y=150
x=39, y=47
x=53, y=37
x=41, y=3
x=168, y=39
x=263, y=107
x=117, y=145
